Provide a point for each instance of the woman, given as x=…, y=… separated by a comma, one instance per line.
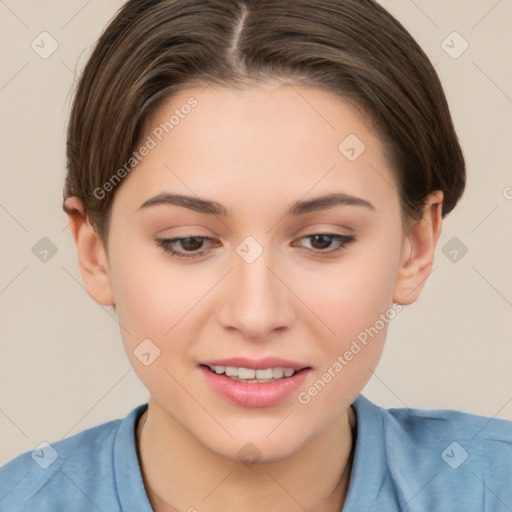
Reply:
x=258, y=187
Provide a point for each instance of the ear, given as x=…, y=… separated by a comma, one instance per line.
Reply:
x=418, y=251
x=92, y=257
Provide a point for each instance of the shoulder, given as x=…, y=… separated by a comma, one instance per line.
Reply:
x=447, y=455
x=469, y=436
x=78, y=470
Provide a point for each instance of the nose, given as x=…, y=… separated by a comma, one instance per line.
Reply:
x=256, y=302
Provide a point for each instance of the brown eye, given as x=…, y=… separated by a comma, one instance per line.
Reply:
x=192, y=243
x=189, y=246
x=321, y=242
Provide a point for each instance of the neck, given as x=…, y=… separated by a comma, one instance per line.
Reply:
x=179, y=473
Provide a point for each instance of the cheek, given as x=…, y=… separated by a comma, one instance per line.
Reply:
x=149, y=305
x=350, y=296
x=159, y=300
x=138, y=285
x=355, y=303
x=350, y=349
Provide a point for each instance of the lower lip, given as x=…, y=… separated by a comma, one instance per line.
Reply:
x=254, y=394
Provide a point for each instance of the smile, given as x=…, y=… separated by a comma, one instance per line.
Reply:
x=251, y=387
x=252, y=375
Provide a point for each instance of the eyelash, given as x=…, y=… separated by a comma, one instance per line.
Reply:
x=167, y=243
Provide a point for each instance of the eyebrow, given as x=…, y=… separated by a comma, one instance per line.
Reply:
x=208, y=207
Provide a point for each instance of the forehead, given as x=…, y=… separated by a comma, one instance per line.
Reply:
x=212, y=140
x=254, y=115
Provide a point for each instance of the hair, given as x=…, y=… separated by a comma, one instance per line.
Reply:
x=353, y=48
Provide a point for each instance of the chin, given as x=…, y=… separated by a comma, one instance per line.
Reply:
x=254, y=452
x=250, y=446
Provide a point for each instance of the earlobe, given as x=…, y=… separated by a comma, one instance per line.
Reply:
x=418, y=251
x=92, y=258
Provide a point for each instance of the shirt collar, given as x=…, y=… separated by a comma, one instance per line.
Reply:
x=368, y=480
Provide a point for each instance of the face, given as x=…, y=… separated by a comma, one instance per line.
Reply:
x=272, y=278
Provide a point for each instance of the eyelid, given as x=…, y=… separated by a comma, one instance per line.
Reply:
x=344, y=240
x=167, y=243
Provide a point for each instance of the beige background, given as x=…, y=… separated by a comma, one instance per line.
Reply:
x=62, y=365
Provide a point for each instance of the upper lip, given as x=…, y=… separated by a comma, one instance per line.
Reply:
x=256, y=364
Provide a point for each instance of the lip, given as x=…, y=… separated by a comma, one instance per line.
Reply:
x=254, y=394
x=256, y=364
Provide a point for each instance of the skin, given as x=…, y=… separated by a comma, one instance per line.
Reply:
x=256, y=152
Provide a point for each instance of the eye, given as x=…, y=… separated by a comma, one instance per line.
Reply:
x=192, y=246
x=322, y=241
x=189, y=245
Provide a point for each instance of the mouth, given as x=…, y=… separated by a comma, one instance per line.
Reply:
x=241, y=374
x=251, y=383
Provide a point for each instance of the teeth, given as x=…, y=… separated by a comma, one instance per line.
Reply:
x=245, y=373
x=231, y=371
x=278, y=373
x=265, y=375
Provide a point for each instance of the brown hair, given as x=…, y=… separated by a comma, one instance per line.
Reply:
x=353, y=48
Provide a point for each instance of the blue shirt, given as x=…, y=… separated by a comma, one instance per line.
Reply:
x=408, y=460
